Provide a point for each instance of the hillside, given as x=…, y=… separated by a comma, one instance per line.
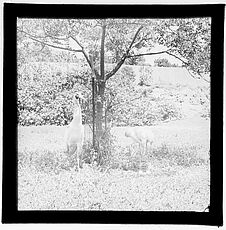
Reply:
x=160, y=75
x=45, y=88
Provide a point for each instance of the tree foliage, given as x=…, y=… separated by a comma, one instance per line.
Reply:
x=121, y=40
x=163, y=62
x=186, y=39
x=45, y=92
x=189, y=39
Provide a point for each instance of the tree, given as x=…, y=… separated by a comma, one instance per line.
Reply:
x=186, y=39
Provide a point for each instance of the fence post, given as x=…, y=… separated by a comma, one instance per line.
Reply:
x=93, y=101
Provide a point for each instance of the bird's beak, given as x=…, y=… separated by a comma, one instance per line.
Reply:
x=81, y=99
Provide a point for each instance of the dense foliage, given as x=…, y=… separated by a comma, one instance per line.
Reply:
x=121, y=41
x=45, y=93
x=163, y=62
x=186, y=39
x=189, y=39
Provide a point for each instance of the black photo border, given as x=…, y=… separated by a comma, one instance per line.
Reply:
x=10, y=214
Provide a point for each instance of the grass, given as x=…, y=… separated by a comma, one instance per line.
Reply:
x=174, y=173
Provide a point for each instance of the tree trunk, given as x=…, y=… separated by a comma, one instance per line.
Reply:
x=100, y=88
x=99, y=111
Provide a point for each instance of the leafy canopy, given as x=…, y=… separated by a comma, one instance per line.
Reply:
x=125, y=39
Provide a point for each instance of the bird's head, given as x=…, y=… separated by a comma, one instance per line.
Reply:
x=78, y=97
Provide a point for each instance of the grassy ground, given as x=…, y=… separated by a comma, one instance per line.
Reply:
x=174, y=175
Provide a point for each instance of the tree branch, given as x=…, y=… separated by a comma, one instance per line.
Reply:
x=160, y=52
x=113, y=23
x=85, y=55
x=146, y=54
x=177, y=58
x=167, y=52
x=141, y=40
x=124, y=56
x=63, y=48
x=50, y=45
x=131, y=44
x=192, y=75
x=63, y=38
x=76, y=40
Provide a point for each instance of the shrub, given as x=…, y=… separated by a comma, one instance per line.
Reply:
x=103, y=156
x=45, y=93
x=144, y=111
x=106, y=147
x=89, y=154
x=145, y=76
x=163, y=62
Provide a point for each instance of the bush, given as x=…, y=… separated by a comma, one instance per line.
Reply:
x=145, y=111
x=145, y=76
x=134, y=105
x=163, y=62
x=45, y=93
x=89, y=154
x=106, y=148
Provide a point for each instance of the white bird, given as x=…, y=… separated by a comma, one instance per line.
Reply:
x=74, y=135
x=142, y=136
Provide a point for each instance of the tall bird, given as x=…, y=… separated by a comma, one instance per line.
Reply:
x=74, y=135
x=142, y=136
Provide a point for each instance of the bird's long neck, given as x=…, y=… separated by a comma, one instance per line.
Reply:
x=77, y=115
